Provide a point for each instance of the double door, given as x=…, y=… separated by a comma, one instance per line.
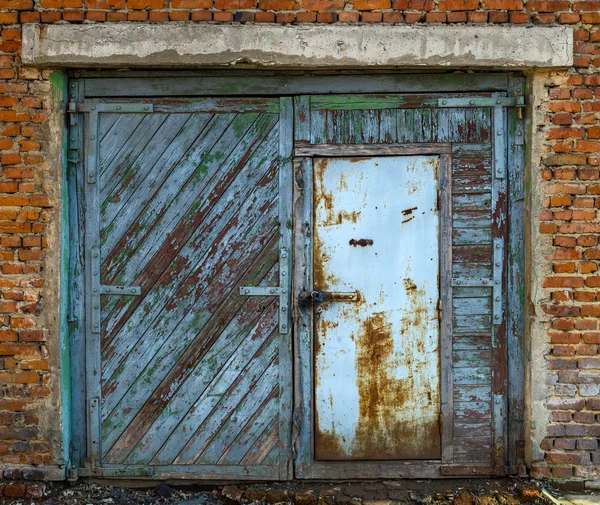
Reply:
x=303, y=287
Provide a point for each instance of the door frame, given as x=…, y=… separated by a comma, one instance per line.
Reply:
x=306, y=466
x=90, y=84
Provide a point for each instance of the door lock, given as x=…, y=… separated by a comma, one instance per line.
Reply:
x=317, y=296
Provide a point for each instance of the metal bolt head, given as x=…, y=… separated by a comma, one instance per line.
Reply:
x=93, y=108
x=485, y=282
x=497, y=298
x=498, y=101
x=283, y=326
x=471, y=102
x=72, y=84
x=458, y=282
x=283, y=309
x=444, y=102
x=133, y=290
x=496, y=317
x=146, y=108
x=497, y=282
x=118, y=107
x=95, y=306
x=497, y=263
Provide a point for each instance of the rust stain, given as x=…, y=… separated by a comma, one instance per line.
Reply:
x=406, y=212
x=409, y=219
x=380, y=393
x=381, y=434
x=362, y=242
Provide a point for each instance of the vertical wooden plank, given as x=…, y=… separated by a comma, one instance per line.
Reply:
x=516, y=286
x=76, y=281
x=302, y=118
x=318, y=126
x=303, y=415
x=499, y=352
x=370, y=130
x=447, y=396
x=387, y=126
x=92, y=336
x=286, y=118
x=406, y=125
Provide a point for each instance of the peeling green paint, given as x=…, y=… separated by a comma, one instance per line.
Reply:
x=59, y=94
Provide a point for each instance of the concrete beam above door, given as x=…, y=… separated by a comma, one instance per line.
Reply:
x=110, y=45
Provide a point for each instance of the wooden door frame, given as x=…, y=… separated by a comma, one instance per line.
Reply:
x=86, y=84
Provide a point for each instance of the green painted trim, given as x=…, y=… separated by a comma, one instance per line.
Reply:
x=58, y=83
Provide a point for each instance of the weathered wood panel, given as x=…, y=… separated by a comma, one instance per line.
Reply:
x=190, y=211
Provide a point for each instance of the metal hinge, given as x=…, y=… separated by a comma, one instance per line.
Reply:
x=503, y=101
x=280, y=291
x=498, y=302
x=112, y=107
x=98, y=289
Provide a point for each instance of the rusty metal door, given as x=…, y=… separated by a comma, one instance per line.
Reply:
x=376, y=248
x=187, y=242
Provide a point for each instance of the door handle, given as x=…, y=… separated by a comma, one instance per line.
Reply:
x=317, y=296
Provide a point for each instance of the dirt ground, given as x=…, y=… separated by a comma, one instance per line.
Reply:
x=390, y=492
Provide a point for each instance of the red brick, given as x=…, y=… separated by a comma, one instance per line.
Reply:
x=508, y=5
x=306, y=17
x=371, y=17
x=563, y=282
x=458, y=5
x=324, y=17
x=323, y=5
x=364, y=5
x=349, y=17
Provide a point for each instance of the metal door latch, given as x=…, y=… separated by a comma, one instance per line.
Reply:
x=317, y=296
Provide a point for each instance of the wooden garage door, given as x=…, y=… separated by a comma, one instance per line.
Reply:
x=469, y=132
x=188, y=342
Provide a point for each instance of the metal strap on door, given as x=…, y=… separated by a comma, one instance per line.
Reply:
x=92, y=247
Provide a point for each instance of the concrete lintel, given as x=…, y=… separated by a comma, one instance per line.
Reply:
x=304, y=46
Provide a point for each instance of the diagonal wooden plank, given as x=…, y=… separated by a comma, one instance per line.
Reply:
x=155, y=254
x=140, y=181
x=107, y=122
x=168, y=433
x=236, y=344
x=148, y=371
x=196, y=185
x=159, y=208
x=131, y=435
x=114, y=140
x=265, y=450
x=135, y=157
x=233, y=442
x=189, y=270
x=139, y=139
x=259, y=376
x=172, y=264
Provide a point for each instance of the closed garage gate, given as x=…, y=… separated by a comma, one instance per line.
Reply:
x=268, y=282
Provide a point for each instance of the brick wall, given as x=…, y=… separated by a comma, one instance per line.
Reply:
x=569, y=173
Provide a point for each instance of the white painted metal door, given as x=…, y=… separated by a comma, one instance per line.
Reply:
x=376, y=264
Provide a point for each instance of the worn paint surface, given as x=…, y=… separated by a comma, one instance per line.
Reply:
x=377, y=382
x=189, y=212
